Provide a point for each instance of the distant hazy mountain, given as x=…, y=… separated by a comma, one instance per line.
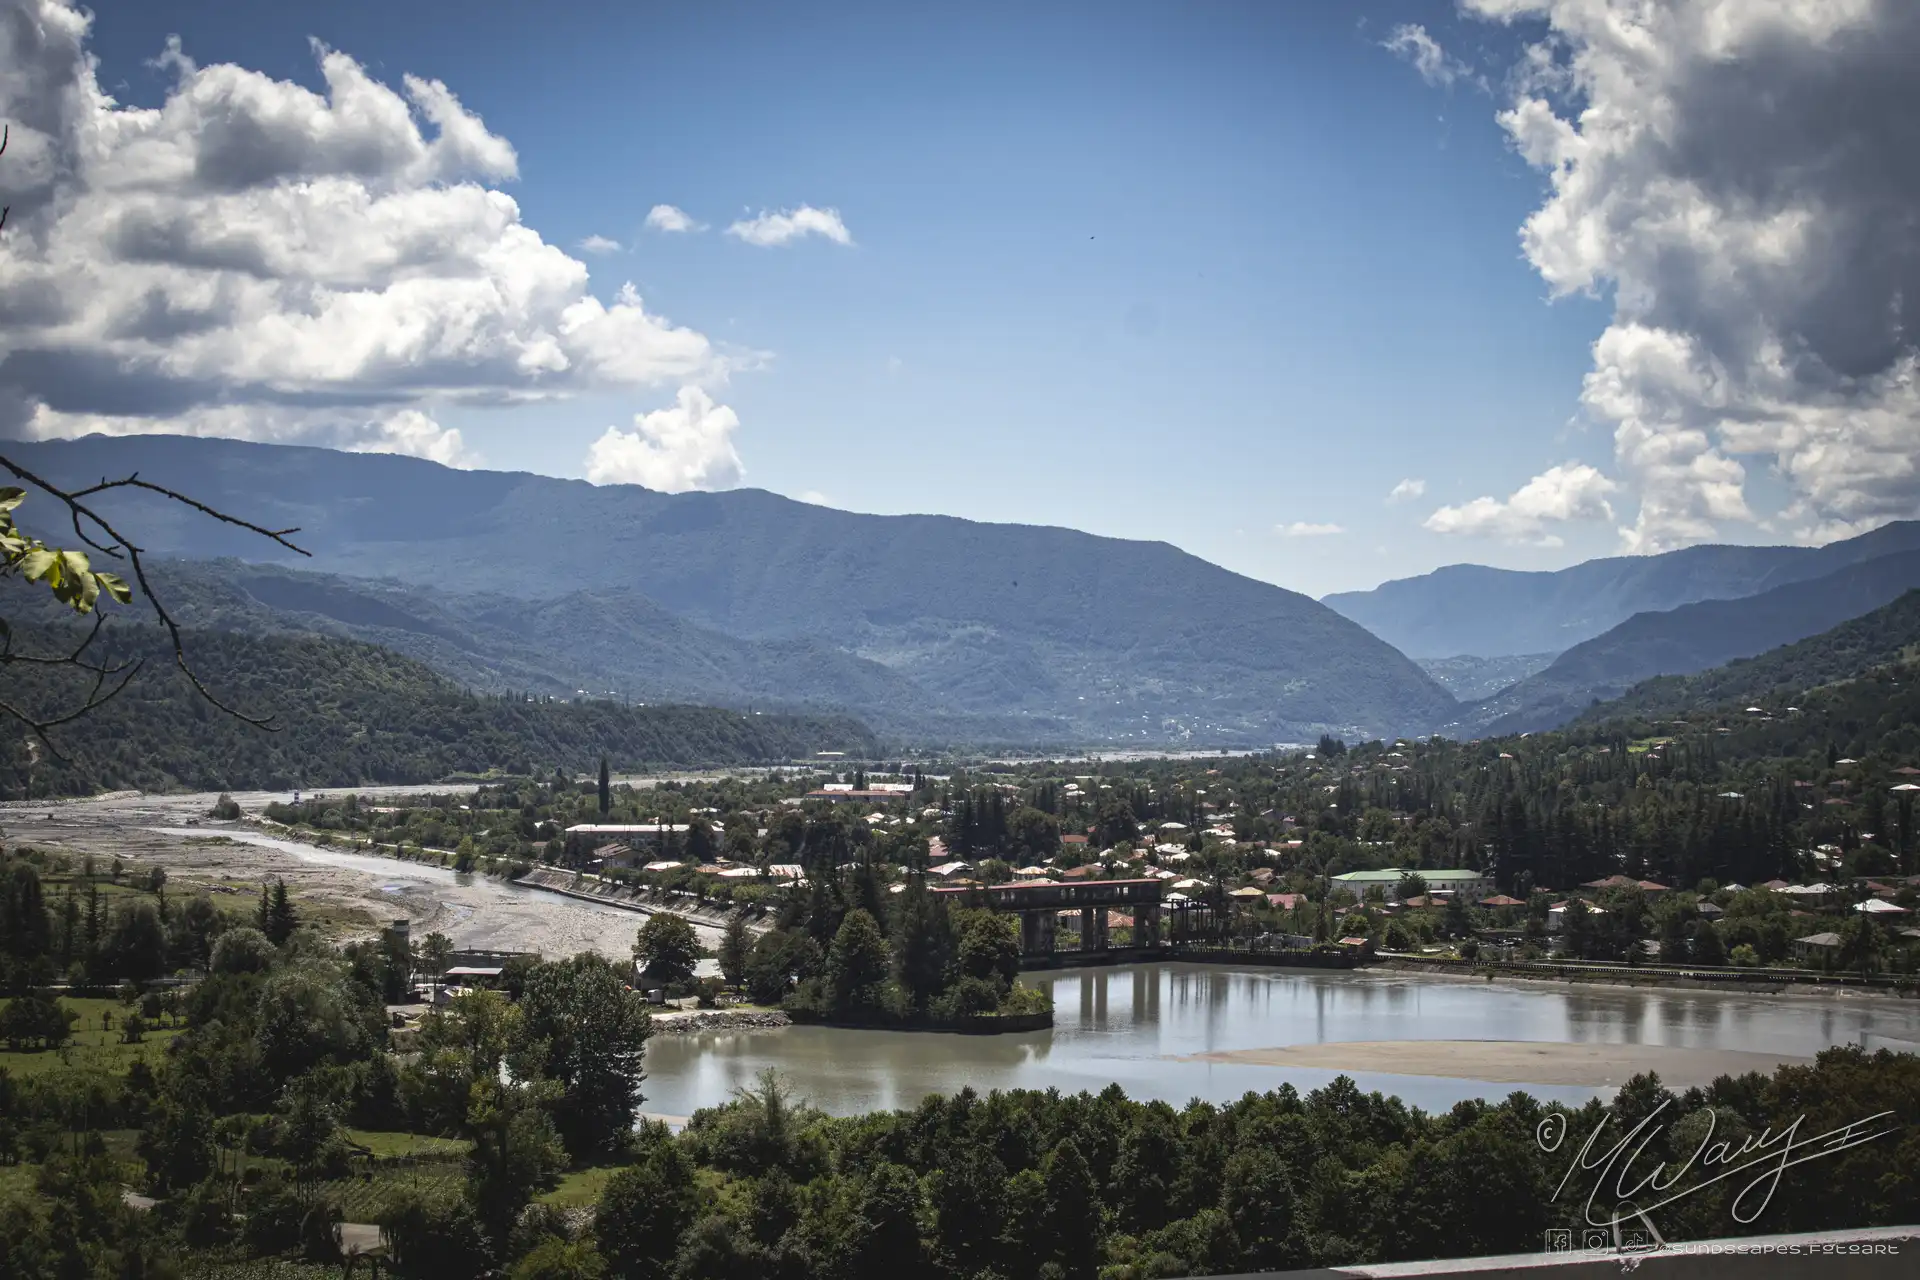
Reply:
x=613, y=644
x=1472, y=609
x=1125, y=641
x=1888, y=634
x=1685, y=640
x=1471, y=678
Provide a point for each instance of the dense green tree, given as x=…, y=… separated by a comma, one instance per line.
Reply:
x=555, y=1259
x=241, y=951
x=856, y=967
x=177, y=1145
x=667, y=948
x=883, y=1240
x=922, y=943
x=989, y=947
x=735, y=945
x=277, y=918
x=779, y=959
x=644, y=1211
x=1072, y=1209
x=584, y=1029
x=515, y=1153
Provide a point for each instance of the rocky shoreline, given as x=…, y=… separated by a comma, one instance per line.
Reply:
x=682, y=1024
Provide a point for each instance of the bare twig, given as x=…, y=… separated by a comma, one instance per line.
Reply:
x=101, y=535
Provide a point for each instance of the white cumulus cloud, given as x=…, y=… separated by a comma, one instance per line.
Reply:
x=685, y=447
x=665, y=217
x=1740, y=179
x=255, y=258
x=1407, y=490
x=794, y=224
x=1305, y=529
x=599, y=244
x=1571, y=491
x=416, y=435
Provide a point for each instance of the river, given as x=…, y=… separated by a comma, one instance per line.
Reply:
x=1146, y=1027
x=1168, y=1031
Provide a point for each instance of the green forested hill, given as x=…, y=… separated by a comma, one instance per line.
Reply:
x=351, y=713
x=1848, y=651
x=1687, y=640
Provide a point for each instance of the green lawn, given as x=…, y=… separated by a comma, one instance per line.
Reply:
x=385, y=1144
x=581, y=1187
x=92, y=1044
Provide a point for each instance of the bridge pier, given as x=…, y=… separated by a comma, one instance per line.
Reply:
x=1146, y=926
x=1036, y=933
x=1093, y=928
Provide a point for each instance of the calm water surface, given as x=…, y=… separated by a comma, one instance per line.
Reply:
x=1134, y=1025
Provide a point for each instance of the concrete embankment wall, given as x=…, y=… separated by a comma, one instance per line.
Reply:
x=591, y=888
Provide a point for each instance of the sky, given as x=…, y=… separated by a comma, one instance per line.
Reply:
x=1326, y=294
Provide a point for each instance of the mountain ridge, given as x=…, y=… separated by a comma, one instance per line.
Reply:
x=1125, y=641
x=1489, y=612
x=1692, y=638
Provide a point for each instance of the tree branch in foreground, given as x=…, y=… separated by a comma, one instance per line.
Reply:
x=74, y=582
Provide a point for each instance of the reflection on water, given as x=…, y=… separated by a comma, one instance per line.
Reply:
x=1134, y=1025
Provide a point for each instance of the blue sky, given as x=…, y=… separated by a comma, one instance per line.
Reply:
x=1194, y=273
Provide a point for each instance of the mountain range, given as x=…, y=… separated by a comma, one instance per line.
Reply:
x=1473, y=609
x=1768, y=682
x=744, y=596
x=1685, y=640
x=929, y=629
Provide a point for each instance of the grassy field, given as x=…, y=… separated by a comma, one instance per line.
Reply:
x=387, y=1144
x=580, y=1187
x=93, y=1045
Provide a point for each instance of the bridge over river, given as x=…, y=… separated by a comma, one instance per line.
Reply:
x=1039, y=906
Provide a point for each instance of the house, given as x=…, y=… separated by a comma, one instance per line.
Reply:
x=1709, y=910
x=1818, y=946
x=1247, y=893
x=1502, y=900
x=1878, y=907
x=947, y=870
x=1471, y=884
x=1286, y=901
x=1648, y=887
x=1557, y=915
x=841, y=793
x=668, y=864
x=1074, y=842
x=628, y=836
x=786, y=871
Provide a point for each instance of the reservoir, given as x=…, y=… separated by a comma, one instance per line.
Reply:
x=1169, y=1031
x=1147, y=1027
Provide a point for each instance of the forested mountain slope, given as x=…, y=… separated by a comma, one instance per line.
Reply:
x=1689, y=639
x=349, y=713
x=1473, y=609
x=1127, y=641
x=1887, y=635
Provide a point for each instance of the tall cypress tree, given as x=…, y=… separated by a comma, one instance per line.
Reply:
x=606, y=789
